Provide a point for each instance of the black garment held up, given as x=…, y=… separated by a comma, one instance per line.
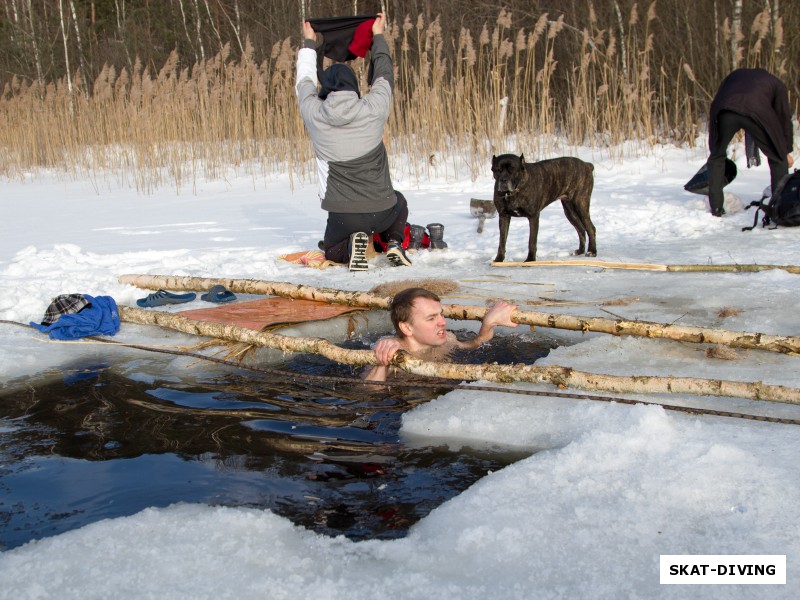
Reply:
x=337, y=34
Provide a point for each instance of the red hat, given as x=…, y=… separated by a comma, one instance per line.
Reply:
x=362, y=39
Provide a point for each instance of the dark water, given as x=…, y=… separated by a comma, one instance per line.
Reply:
x=102, y=441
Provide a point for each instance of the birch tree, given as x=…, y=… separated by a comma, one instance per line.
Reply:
x=79, y=41
x=736, y=34
x=36, y=56
x=120, y=13
x=184, y=20
x=199, y=31
x=64, y=36
x=211, y=23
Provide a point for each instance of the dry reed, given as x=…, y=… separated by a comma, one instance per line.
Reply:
x=507, y=90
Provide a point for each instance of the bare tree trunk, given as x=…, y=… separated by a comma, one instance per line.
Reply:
x=776, y=16
x=736, y=29
x=622, y=41
x=64, y=37
x=237, y=26
x=79, y=41
x=717, y=38
x=618, y=327
x=186, y=30
x=213, y=27
x=121, y=30
x=36, y=57
x=559, y=376
x=199, y=31
x=11, y=7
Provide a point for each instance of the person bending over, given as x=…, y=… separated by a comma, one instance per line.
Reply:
x=419, y=325
x=758, y=102
x=346, y=130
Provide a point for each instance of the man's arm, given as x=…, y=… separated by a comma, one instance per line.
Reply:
x=381, y=59
x=385, y=350
x=382, y=71
x=499, y=314
x=307, y=64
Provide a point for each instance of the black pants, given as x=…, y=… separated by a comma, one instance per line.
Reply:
x=390, y=222
x=728, y=123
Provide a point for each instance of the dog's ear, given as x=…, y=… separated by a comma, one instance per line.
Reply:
x=522, y=159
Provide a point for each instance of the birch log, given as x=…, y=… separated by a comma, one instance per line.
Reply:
x=587, y=262
x=235, y=333
x=258, y=286
x=618, y=327
x=559, y=376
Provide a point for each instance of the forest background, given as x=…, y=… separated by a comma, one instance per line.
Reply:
x=161, y=91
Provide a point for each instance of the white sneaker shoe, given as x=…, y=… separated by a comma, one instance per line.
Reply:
x=358, y=251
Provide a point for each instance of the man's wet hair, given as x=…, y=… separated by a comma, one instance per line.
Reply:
x=403, y=304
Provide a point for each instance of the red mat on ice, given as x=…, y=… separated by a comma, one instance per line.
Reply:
x=269, y=312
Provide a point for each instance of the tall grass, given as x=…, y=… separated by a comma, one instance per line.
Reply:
x=507, y=90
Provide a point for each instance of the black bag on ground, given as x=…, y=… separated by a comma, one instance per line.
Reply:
x=783, y=208
x=698, y=184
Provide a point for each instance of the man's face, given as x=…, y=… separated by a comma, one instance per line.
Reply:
x=426, y=327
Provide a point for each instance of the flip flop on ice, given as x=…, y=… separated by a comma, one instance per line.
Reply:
x=219, y=295
x=162, y=297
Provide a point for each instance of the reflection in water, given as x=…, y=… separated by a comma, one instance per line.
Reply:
x=105, y=441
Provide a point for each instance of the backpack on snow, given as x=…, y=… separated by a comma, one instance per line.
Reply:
x=783, y=208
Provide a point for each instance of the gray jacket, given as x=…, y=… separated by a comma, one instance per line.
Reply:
x=347, y=133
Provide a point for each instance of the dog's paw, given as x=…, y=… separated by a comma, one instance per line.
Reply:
x=591, y=254
x=499, y=258
x=530, y=258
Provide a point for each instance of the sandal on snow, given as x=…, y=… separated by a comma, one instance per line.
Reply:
x=161, y=298
x=218, y=294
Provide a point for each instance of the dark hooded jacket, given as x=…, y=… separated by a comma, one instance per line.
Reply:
x=757, y=94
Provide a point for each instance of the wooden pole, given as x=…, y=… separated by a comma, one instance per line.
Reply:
x=617, y=327
x=556, y=375
x=586, y=262
x=258, y=286
x=235, y=333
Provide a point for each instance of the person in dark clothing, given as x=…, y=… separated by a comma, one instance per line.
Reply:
x=758, y=102
x=346, y=130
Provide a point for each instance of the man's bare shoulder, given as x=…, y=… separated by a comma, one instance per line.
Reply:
x=440, y=353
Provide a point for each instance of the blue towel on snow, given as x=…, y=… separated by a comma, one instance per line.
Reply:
x=101, y=318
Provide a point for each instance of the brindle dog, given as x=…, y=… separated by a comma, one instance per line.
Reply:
x=523, y=189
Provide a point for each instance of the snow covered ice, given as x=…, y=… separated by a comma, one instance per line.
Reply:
x=613, y=486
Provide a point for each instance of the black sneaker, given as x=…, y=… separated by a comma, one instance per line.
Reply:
x=396, y=255
x=358, y=251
